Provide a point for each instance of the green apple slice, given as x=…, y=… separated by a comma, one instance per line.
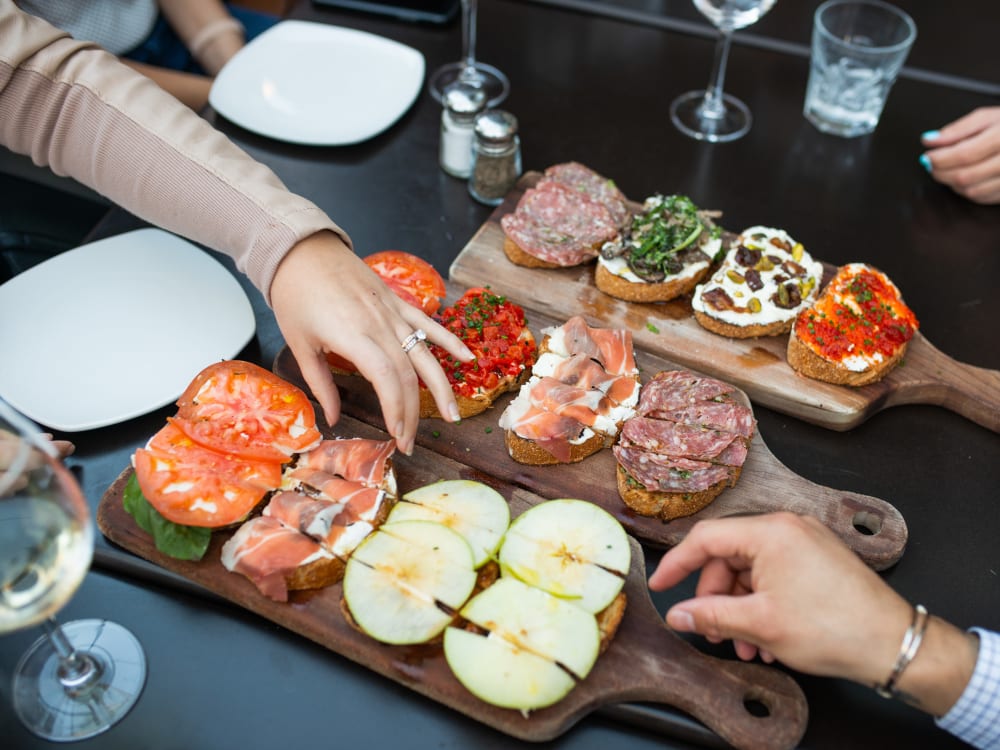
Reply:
x=537, y=622
x=405, y=581
x=476, y=511
x=537, y=647
x=570, y=548
x=502, y=675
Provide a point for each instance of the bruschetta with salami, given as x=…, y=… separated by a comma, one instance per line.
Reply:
x=685, y=445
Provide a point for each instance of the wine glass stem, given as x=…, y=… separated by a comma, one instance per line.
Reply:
x=713, y=107
x=77, y=670
x=469, y=37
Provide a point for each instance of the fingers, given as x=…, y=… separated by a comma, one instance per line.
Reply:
x=962, y=128
x=707, y=540
x=319, y=378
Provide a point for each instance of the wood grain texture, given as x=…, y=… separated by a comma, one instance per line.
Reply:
x=645, y=662
x=758, y=366
x=870, y=526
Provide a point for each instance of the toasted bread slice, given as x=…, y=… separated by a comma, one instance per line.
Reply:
x=752, y=330
x=519, y=257
x=668, y=505
x=647, y=291
x=529, y=452
x=805, y=361
x=470, y=406
x=315, y=575
x=609, y=618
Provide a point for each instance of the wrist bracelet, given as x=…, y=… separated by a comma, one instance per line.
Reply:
x=912, y=638
x=207, y=34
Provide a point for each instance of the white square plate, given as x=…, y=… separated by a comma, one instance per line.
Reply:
x=116, y=328
x=318, y=85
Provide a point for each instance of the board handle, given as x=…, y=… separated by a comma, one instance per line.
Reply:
x=935, y=378
x=750, y=706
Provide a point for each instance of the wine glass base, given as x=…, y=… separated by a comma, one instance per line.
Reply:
x=54, y=714
x=481, y=75
x=688, y=115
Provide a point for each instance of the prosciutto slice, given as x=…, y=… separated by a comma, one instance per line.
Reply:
x=354, y=459
x=266, y=551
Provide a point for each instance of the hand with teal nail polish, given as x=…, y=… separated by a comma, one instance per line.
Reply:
x=784, y=587
x=965, y=155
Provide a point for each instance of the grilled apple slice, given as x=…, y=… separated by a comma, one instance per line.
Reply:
x=570, y=548
x=536, y=649
x=476, y=511
x=405, y=582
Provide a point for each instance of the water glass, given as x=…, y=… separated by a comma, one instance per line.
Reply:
x=858, y=48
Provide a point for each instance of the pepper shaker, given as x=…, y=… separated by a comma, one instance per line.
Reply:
x=462, y=102
x=496, y=157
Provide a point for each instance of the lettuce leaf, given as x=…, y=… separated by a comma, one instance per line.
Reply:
x=182, y=542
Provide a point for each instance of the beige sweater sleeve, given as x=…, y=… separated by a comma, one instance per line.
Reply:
x=74, y=108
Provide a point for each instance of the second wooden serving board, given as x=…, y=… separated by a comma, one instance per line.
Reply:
x=644, y=662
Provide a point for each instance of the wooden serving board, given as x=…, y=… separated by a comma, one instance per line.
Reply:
x=645, y=661
x=872, y=527
x=758, y=366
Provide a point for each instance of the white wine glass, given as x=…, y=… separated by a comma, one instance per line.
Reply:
x=83, y=676
x=469, y=70
x=711, y=114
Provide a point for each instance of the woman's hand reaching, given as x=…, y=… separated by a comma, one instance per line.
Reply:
x=326, y=299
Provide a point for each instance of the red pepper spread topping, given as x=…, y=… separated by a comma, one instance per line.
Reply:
x=496, y=331
x=859, y=320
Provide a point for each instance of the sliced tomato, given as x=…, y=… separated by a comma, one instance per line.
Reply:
x=196, y=486
x=240, y=408
x=413, y=279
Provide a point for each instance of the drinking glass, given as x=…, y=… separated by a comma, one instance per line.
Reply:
x=84, y=676
x=468, y=69
x=711, y=115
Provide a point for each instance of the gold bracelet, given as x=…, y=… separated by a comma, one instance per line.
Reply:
x=208, y=33
x=912, y=639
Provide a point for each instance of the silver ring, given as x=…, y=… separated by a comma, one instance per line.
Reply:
x=413, y=339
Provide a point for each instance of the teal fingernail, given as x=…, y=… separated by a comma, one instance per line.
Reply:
x=931, y=135
x=925, y=162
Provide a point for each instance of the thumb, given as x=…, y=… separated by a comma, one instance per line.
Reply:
x=718, y=617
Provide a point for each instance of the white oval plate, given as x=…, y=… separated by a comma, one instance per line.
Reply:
x=116, y=328
x=318, y=85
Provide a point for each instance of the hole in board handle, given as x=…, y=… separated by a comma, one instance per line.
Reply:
x=866, y=523
x=756, y=707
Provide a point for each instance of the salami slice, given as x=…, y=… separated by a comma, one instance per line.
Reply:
x=727, y=416
x=675, y=439
x=559, y=225
x=666, y=474
x=595, y=186
x=676, y=389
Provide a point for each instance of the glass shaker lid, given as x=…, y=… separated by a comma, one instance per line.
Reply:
x=496, y=126
x=463, y=100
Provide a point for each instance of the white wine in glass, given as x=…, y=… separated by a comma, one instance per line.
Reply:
x=469, y=70
x=711, y=114
x=83, y=676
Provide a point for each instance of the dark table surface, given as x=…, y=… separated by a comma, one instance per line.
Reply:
x=597, y=90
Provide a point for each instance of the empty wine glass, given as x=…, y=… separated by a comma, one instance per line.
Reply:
x=81, y=677
x=712, y=115
x=468, y=69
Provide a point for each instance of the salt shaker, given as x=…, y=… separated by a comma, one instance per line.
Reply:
x=462, y=103
x=496, y=157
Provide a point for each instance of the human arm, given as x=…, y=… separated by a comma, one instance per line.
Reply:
x=207, y=29
x=786, y=587
x=965, y=155
x=77, y=109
